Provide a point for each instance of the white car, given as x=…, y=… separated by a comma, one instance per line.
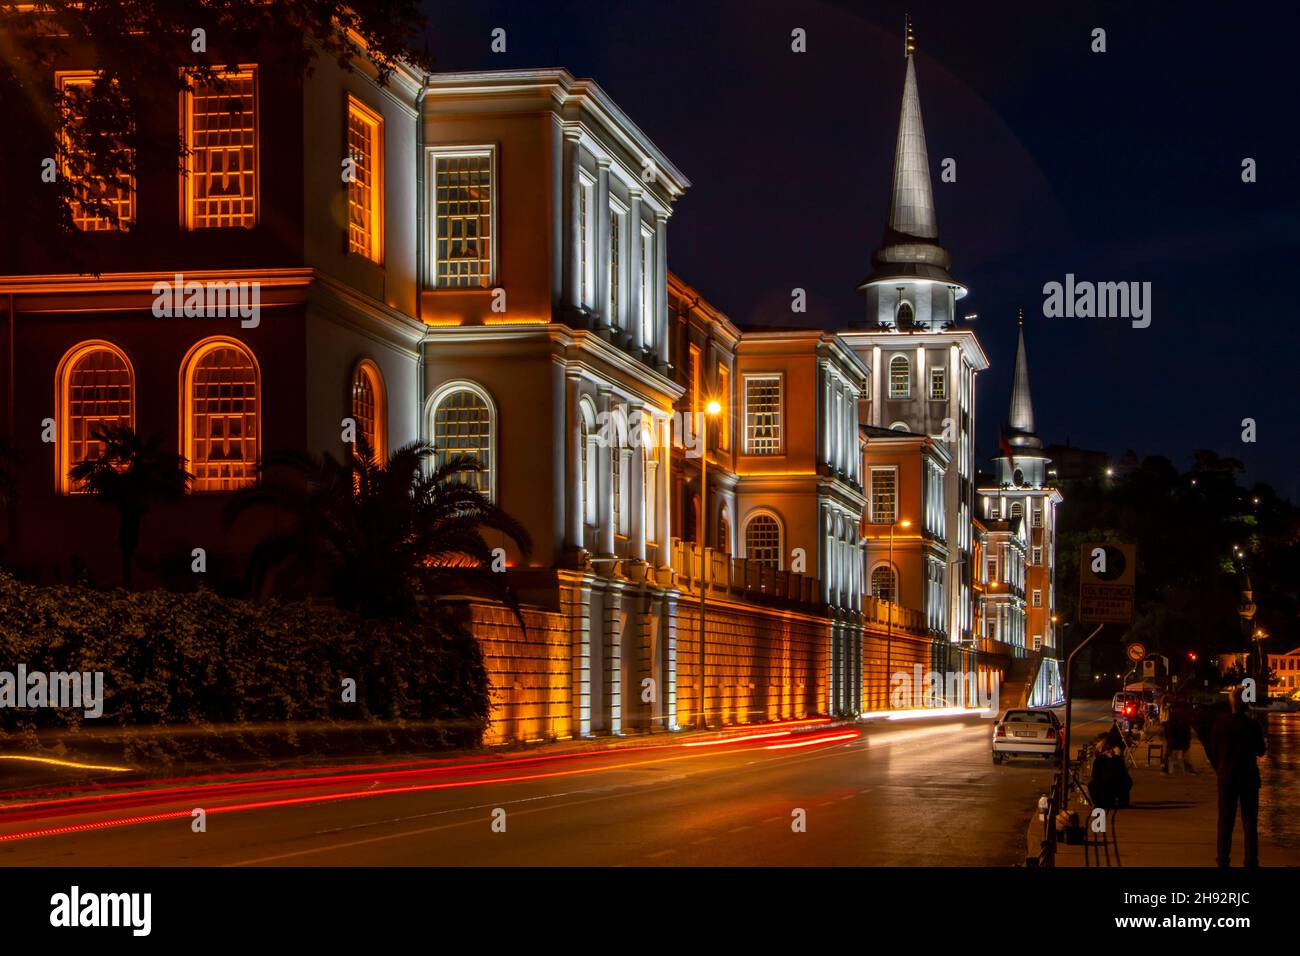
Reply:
x=1027, y=733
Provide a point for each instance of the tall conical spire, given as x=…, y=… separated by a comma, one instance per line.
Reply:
x=1020, y=418
x=911, y=247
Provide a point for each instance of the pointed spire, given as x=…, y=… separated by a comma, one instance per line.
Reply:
x=911, y=247
x=1020, y=418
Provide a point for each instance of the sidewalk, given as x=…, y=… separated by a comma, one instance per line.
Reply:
x=1172, y=822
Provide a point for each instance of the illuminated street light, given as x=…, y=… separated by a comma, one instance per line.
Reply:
x=889, y=611
x=712, y=407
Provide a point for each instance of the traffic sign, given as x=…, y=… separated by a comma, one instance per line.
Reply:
x=1106, y=576
x=1136, y=652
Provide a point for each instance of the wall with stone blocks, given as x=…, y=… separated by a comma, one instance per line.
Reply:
x=761, y=664
x=530, y=673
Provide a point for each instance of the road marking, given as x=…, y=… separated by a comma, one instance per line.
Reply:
x=658, y=853
x=703, y=840
x=740, y=829
x=408, y=833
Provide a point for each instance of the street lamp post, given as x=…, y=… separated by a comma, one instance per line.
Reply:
x=889, y=611
x=712, y=408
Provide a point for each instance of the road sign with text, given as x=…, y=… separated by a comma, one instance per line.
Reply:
x=1106, y=576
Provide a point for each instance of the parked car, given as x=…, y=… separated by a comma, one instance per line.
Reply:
x=1027, y=733
x=1126, y=704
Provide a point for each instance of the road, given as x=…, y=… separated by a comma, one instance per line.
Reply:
x=913, y=793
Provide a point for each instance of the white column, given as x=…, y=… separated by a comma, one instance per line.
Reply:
x=634, y=256
x=661, y=288
x=636, y=487
x=605, y=486
x=573, y=477
x=573, y=235
x=601, y=212
x=663, y=432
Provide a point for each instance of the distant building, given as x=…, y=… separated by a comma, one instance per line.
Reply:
x=1020, y=505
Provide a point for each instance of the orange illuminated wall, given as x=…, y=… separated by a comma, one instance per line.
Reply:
x=761, y=665
x=531, y=697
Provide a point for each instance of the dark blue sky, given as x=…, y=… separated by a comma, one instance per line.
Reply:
x=1122, y=166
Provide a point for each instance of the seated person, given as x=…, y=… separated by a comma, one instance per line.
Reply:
x=1110, y=784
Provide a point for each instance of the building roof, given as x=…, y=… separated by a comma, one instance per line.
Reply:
x=1020, y=416
x=911, y=247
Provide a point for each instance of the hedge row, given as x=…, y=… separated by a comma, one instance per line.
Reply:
x=198, y=658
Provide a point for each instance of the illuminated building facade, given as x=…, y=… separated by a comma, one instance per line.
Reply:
x=922, y=367
x=479, y=261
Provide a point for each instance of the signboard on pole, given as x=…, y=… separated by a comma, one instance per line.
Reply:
x=1106, y=576
x=1136, y=652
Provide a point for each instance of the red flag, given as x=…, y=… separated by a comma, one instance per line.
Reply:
x=1003, y=445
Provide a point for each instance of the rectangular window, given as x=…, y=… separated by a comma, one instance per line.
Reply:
x=616, y=462
x=938, y=382
x=365, y=189
x=221, y=177
x=586, y=243
x=1038, y=518
x=724, y=398
x=762, y=414
x=118, y=196
x=615, y=264
x=693, y=383
x=1038, y=642
x=651, y=496
x=900, y=377
x=1038, y=598
x=1038, y=556
x=463, y=217
x=884, y=496
x=647, y=287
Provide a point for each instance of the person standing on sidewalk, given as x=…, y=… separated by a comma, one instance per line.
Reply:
x=1235, y=742
x=1178, y=736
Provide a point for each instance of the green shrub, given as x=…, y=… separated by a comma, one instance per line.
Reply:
x=197, y=658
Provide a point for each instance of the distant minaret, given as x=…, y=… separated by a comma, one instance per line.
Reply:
x=1022, y=463
x=909, y=285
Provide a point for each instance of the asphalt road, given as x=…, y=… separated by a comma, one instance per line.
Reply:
x=914, y=793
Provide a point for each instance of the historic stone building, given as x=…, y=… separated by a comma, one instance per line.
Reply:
x=709, y=504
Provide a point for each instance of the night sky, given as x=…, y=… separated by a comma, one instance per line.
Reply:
x=1119, y=166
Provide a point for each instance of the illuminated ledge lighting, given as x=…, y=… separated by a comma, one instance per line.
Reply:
x=64, y=763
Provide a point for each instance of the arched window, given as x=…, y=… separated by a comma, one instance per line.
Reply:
x=221, y=415
x=464, y=423
x=763, y=540
x=900, y=377
x=1017, y=510
x=369, y=409
x=95, y=387
x=906, y=316
x=884, y=585
x=589, y=448
x=724, y=532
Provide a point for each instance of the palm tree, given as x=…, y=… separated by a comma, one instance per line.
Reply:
x=391, y=536
x=131, y=474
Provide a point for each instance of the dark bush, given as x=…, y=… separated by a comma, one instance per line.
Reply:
x=200, y=659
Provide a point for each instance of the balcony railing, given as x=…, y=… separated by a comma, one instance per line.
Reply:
x=741, y=578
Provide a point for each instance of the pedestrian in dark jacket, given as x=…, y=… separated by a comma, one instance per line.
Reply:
x=1235, y=742
x=1178, y=736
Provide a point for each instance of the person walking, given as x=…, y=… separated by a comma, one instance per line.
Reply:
x=1236, y=741
x=1178, y=736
